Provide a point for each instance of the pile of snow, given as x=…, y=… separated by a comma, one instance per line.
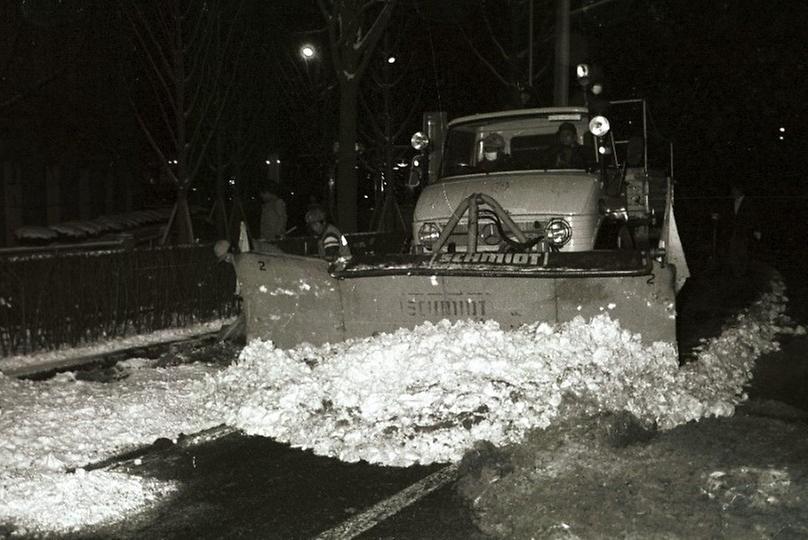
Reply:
x=426, y=395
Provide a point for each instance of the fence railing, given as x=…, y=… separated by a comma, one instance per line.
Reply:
x=54, y=299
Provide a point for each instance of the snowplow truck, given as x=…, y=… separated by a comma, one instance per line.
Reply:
x=536, y=237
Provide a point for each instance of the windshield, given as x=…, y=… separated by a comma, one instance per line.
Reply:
x=544, y=142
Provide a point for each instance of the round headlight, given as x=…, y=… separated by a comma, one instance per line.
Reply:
x=428, y=234
x=558, y=232
x=419, y=140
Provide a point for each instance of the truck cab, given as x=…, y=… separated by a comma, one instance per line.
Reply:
x=553, y=192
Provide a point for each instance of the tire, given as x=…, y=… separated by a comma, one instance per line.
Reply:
x=625, y=239
x=615, y=235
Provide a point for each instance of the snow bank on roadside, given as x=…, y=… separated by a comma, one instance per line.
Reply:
x=15, y=365
x=63, y=422
x=49, y=426
x=56, y=502
x=425, y=395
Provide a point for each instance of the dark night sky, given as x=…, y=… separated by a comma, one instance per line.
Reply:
x=722, y=77
x=725, y=77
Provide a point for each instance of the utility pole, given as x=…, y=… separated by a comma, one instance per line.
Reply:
x=387, y=85
x=562, y=54
x=530, y=45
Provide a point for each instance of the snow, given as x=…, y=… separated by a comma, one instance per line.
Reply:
x=101, y=224
x=412, y=396
x=23, y=364
x=42, y=501
x=425, y=395
x=35, y=232
x=47, y=427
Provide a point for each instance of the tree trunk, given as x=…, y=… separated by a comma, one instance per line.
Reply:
x=182, y=219
x=347, y=184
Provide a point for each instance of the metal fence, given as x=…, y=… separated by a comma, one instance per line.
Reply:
x=54, y=299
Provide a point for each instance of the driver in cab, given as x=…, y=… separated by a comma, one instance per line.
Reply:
x=494, y=156
x=566, y=153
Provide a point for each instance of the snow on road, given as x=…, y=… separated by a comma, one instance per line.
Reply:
x=411, y=396
x=49, y=426
x=426, y=395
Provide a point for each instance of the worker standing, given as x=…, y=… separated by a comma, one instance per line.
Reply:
x=330, y=241
x=273, y=215
x=742, y=231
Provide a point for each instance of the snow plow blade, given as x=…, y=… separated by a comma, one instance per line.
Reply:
x=292, y=299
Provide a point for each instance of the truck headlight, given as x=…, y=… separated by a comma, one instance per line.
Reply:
x=428, y=234
x=558, y=232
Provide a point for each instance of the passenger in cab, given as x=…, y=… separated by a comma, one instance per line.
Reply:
x=330, y=241
x=494, y=156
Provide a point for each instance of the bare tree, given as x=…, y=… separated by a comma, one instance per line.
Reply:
x=186, y=47
x=354, y=29
x=497, y=34
x=392, y=104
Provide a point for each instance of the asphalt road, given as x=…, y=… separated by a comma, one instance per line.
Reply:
x=251, y=487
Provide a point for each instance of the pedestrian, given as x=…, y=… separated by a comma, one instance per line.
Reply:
x=273, y=215
x=237, y=330
x=330, y=241
x=742, y=233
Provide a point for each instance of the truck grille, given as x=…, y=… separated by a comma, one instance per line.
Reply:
x=488, y=235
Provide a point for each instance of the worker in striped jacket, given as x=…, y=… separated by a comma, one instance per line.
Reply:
x=330, y=241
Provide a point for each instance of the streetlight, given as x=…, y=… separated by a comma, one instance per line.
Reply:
x=308, y=51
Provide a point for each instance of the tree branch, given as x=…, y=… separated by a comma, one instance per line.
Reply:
x=369, y=41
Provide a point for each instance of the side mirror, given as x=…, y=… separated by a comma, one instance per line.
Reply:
x=417, y=168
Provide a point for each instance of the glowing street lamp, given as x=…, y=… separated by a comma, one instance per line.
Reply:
x=308, y=51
